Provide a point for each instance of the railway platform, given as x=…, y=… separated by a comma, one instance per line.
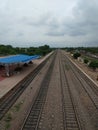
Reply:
x=9, y=82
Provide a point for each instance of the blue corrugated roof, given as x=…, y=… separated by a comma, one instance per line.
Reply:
x=17, y=59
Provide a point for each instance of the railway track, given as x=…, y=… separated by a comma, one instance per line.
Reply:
x=72, y=107
x=32, y=120
x=70, y=117
x=90, y=93
x=9, y=99
x=91, y=90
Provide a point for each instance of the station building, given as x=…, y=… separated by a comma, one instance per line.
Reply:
x=13, y=64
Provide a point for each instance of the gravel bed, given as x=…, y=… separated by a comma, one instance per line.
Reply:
x=52, y=118
x=15, y=116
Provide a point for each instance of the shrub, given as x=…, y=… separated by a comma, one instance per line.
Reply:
x=76, y=55
x=93, y=65
x=86, y=60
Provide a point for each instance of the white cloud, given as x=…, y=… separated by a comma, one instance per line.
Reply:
x=56, y=22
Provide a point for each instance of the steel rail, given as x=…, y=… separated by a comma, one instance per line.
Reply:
x=33, y=117
x=70, y=116
x=92, y=91
x=10, y=98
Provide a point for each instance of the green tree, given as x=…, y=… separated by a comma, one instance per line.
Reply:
x=93, y=64
x=76, y=55
x=86, y=60
x=9, y=50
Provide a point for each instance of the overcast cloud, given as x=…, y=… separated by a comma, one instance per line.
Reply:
x=54, y=22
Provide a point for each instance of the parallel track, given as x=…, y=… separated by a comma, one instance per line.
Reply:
x=89, y=87
x=70, y=118
x=33, y=118
x=13, y=95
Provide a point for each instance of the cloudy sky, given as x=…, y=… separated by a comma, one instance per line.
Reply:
x=57, y=23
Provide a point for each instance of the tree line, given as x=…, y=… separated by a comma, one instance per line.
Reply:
x=93, y=50
x=10, y=50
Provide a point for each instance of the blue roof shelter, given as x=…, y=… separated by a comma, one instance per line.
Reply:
x=16, y=59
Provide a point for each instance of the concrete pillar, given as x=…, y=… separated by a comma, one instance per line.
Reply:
x=7, y=70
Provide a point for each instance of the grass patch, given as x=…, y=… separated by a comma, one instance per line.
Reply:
x=7, y=126
x=8, y=119
x=18, y=106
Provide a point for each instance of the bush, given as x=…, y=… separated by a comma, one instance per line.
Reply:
x=76, y=55
x=86, y=60
x=93, y=65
